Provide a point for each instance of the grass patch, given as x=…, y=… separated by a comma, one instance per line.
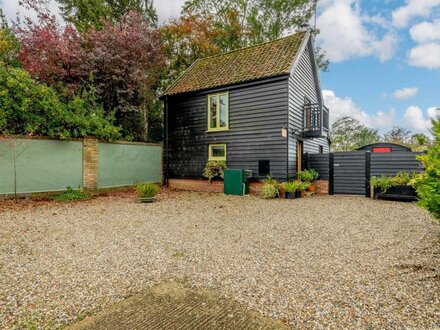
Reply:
x=70, y=195
x=179, y=255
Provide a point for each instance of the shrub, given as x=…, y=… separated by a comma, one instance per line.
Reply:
x=383, y=182
x=271, y=188
x=71, y=195
x=32, y=108
x=214, y=169
x=147, y=189
x=427, y=184
x=308, y=175
x=269, y=191
x=403, y=178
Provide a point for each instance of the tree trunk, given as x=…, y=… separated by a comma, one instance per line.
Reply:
x=144, y=116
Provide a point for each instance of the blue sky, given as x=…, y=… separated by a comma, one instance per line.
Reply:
x=385, y=60
x=384, y=54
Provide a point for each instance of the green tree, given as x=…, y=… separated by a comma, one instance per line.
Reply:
x=349, y=134
x=428, y=182
x=398, y=135
x=86, y=13
x=28, y=107
x=420, y=142
x=9, y=45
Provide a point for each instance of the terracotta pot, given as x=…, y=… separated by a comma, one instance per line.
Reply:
x=282, y=193
x=312, y=188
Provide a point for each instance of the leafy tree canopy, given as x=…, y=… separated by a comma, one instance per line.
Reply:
x=9, y=45
x=87, y=13
x=420, y=142
x=122, y=60
x=349, y=134
x=398, y=135
x=248, y=22
x=28, y=107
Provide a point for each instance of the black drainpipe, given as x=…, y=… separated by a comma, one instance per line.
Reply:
x=166, y=144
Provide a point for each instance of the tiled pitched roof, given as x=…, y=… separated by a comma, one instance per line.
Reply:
x=270, y=59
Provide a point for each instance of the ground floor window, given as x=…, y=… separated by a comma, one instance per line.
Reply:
x=217, y=152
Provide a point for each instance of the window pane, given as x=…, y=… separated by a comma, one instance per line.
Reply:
x=213, y=111
x=218, y=151
x=223, y=111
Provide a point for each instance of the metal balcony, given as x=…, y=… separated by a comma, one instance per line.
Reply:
x=315, y=120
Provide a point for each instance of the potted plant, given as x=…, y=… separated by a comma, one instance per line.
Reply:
x=214, y=169
x=309, y=176
x=270, y=189
x=397, y=187
x=304, y=186
x=147, y=191
x=293, y=189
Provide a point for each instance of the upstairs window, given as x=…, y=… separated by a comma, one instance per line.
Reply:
x=218, y=112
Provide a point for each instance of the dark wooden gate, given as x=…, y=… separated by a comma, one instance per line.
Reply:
x=350, y=173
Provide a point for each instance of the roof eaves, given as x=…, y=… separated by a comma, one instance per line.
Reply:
x=285, y=74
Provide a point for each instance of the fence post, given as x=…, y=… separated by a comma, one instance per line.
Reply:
x=90, y=163
x=367, y=174
x=331, y=174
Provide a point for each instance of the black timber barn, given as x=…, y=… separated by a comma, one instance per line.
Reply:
x=259, y=108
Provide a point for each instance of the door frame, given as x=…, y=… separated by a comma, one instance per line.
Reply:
x=299, y=155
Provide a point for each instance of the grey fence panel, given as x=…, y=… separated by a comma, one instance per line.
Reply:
x=394, y=162
x=349, y=173
x=319, y=162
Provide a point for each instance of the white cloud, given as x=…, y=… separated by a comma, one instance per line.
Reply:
x=425, y=56
x=426, y=32
x=433, y=112
x=344, y=34
x=406, y=93
x=417, y=121
x=341, y=107
x=403, y=15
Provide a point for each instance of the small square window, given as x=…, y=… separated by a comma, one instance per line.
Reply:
x=321, y=149
x=217, y=152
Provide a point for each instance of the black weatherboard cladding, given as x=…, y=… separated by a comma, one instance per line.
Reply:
x=320, y=163
x=303, y=83
x=257, y=113
x=394, y=162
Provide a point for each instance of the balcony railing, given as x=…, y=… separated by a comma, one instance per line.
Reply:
x=315, y=120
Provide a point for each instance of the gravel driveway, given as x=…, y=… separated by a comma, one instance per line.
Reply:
x=339, y=262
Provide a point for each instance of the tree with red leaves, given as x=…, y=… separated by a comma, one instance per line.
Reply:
x=187, y=39
x=122, y=60
x=125, y=60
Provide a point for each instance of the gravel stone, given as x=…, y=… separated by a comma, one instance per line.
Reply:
x=320, y=262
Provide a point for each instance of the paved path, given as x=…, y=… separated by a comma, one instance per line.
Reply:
x=172, y=306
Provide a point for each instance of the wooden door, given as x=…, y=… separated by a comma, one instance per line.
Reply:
x=299, y=155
